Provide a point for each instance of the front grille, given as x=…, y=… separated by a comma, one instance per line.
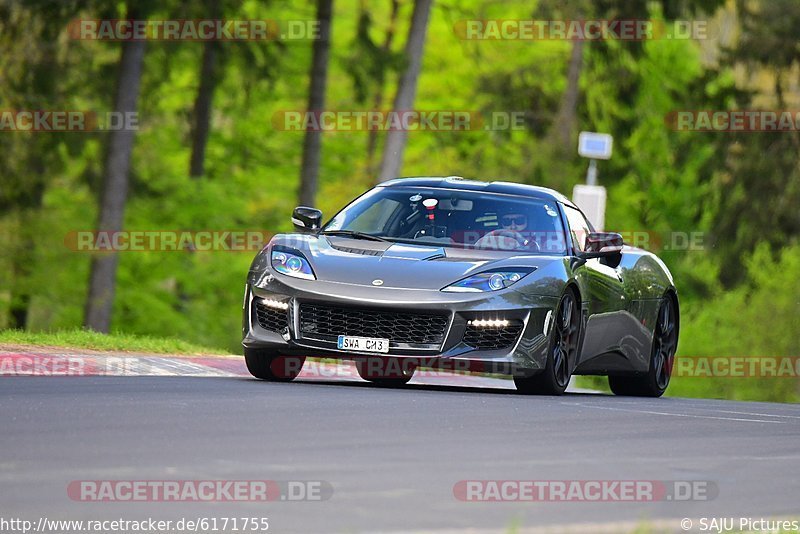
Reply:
x=327, y=323
x=492, y=338
x=270, y=318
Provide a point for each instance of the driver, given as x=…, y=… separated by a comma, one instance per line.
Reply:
x=516, y=220
x=511, y=234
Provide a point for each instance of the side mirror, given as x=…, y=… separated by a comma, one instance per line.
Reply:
x=307, y=219
x=602, y=244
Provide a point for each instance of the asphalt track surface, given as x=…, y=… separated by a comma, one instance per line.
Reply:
x=393, y=457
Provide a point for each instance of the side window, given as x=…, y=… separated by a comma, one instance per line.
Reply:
x=578, y=227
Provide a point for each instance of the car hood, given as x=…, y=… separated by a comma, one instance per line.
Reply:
x=399, y=265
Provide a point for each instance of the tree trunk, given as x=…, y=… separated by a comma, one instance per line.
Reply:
x=406, y=91
x=24, y=259
x=372, y=140
x=566, y=118
x=312, y=144
x=203, y=101
x=22, y=264
x=102, y=280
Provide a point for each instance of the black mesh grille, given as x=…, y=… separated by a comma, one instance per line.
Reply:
x=318, y=321
x=270, y=318
x=492, y=338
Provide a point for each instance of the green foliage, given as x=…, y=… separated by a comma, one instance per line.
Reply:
x=757, y=319
x=759, y=180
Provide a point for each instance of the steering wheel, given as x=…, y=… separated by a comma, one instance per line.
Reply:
x=497, y=239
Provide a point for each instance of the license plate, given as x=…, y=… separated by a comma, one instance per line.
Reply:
x=363, y=344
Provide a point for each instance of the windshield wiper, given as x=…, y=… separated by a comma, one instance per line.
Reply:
x=356, y=235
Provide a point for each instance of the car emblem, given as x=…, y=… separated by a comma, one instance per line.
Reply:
x=377, y=282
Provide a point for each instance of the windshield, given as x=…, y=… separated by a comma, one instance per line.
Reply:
x=454, y=218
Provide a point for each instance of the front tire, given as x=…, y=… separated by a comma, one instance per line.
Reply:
x=388, y=373
x=269, y=365
x=562, y=352
x=662, y=355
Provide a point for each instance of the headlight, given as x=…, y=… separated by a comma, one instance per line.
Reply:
x=490, y=280
x=292, y=264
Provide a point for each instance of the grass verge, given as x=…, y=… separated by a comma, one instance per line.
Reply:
x=87, y=339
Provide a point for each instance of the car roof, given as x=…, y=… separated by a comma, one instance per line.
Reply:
x=457, y=182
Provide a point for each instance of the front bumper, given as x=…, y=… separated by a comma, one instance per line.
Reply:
x=528, y=351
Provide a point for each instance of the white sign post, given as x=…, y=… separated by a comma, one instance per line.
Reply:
x=591, y=198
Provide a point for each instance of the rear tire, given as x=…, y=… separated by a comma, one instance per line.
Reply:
x=388, y=373
x=269, y=365
x=662, y=355
x=562, y=352
x=625, y=386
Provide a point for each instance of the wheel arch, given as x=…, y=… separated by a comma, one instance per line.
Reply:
x=572, y=285
x=672, y=294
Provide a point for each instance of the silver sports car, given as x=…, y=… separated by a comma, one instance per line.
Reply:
x=467, y=275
